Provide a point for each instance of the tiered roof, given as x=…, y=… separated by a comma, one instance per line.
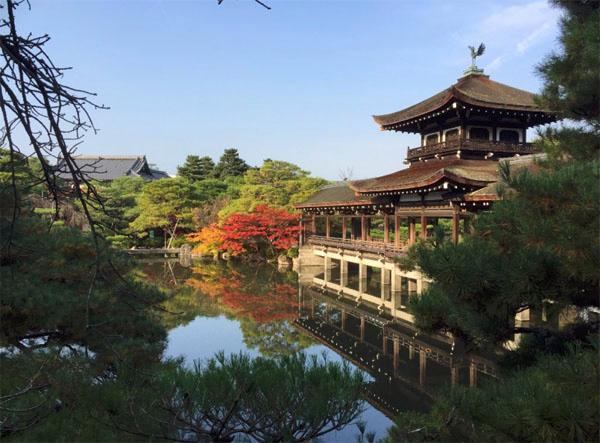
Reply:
x=430, y=173
x=473, y=94
x=472, y=90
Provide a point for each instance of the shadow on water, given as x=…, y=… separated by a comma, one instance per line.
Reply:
x=258, y=310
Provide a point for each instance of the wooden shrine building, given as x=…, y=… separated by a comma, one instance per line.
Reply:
x=465, y=130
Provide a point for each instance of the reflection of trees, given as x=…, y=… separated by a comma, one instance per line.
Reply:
x=274, y=338
x=264, y=301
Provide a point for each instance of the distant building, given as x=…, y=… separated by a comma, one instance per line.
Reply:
x=107, y=168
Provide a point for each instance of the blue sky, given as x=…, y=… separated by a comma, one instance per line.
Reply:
x=297, y=83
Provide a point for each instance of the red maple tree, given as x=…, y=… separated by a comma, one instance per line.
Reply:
x=265, y=231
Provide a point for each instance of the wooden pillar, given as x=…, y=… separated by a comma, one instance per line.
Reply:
x=327, y=269
x=362, y=329
x=344, y=228
x=386, y=276
x=386, y=229
x=454, y=374
x=363, y=227
x=344, y=316
x=313, y=225
x=343, y=273
x=384, y=343
x=369, y=219
x=396, y=353
x=327, y=226
x=362, y=277
x=455, y=226
x=396, y=284
x=397, y=231
x=423, y=226
x=411, y=231
x=473, y=374
x=301, y=233
x=411, y=352
x=422, y=367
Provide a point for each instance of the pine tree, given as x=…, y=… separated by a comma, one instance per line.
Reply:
x=230, y=165
x=196, y=168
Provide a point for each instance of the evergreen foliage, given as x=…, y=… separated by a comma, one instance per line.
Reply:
x=85, y=361
x=293, y=399
x=197, y=168
x=571, y=76
x=230, y=165
x=120, y=208
x=555, y=399
x=166, y=204
x=275, y=183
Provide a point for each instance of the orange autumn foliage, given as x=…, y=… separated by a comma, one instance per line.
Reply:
x=208, y=239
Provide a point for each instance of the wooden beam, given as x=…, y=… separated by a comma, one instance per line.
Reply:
x=397, y=231
x=423, y=226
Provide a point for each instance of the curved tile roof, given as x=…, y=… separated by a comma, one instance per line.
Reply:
x=474, y=89
x=423, y=174
x=334, y=195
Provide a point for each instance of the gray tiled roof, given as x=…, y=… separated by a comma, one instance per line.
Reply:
x=111, y=167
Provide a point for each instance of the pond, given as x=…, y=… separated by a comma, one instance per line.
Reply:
x=260, y=311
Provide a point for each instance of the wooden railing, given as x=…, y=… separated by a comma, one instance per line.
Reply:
x=375, y=247
x=451, y=146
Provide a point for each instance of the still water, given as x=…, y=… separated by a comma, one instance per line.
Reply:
x=261, y=311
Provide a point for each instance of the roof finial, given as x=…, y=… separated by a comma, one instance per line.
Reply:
x=473, y=69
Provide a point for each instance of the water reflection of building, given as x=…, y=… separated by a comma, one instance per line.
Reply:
x=406, y=366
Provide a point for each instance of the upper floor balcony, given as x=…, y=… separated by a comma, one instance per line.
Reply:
x=469, y=147
x=364, y=246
